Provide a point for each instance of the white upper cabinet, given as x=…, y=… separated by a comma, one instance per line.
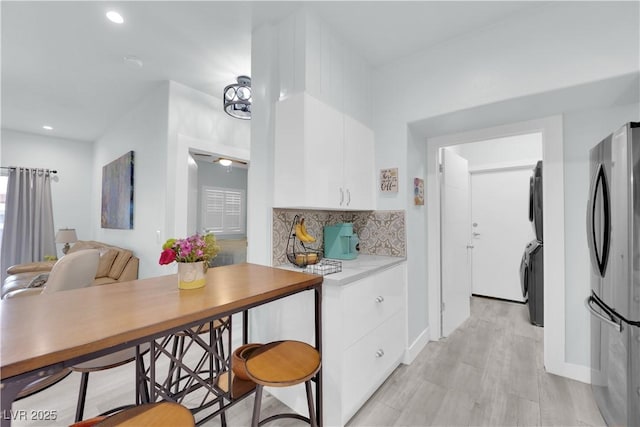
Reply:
x=358, y=166
x=323, y=159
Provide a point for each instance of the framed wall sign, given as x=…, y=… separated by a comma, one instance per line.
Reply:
x=389, y=180
x=418, y=191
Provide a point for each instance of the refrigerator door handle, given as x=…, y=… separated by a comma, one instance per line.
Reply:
x=611, y=322
x=599, y=254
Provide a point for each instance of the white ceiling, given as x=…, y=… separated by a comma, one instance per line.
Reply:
x=62, y=62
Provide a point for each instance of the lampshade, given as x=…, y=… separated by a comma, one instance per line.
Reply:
x=66, y=235
x=237, y=98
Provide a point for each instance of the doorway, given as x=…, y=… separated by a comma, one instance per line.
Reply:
x=218, y=204
x=485, y=224
x=553, y=205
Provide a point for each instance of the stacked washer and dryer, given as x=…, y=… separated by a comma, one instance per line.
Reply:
x=532, y=266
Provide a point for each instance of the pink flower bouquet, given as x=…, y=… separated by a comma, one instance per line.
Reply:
x=194, y=248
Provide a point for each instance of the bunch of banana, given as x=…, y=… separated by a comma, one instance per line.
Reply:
x=301, y=232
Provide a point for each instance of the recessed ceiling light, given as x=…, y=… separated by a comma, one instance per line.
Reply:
x=47, y=127
x=225, y=162
x=115, y=17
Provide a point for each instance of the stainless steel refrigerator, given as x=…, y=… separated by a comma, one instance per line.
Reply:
x=613, y=234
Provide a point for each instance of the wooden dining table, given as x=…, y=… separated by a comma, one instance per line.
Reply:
x=41, y=335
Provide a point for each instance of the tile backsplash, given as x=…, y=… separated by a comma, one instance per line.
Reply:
x=380, y=232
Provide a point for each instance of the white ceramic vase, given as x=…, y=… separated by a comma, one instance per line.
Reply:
x=191, y=275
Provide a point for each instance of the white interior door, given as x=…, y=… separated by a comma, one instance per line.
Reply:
x=455, y=221
x=501, y=230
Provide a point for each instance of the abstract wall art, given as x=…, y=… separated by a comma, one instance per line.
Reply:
x=117, y=193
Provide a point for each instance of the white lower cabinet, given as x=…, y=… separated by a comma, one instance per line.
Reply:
x=364, y=339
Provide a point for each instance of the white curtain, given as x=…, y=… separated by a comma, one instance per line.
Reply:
x=28, y=233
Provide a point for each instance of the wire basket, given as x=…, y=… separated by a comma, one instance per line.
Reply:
x=324, y=267
x=299, y=253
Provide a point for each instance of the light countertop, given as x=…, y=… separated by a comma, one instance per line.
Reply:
x=356, y=269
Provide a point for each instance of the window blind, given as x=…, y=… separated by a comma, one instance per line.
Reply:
x=223, y=210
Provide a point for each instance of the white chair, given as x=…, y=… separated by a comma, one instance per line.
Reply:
x=73, y=271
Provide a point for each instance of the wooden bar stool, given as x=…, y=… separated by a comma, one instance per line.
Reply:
x=160, y=414
x=283, y=364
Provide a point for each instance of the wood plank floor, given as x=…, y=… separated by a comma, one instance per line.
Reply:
x=489, y=372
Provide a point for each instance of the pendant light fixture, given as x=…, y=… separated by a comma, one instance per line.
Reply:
x=237, y=98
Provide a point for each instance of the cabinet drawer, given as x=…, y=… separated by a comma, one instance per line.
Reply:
x=369, y=362
x=370, y=301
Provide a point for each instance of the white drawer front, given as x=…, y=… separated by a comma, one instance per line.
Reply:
x=369, y=362
x=370, y=301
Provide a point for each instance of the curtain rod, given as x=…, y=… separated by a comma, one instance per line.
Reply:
x=20, y=167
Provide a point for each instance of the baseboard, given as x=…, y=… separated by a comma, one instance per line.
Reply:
x=571, y=370
x=416, y=347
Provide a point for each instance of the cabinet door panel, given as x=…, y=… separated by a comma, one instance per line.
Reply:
x=359, y=177
x=368, y=363
x=323, y=154
x=289, y=152
x=369, y=302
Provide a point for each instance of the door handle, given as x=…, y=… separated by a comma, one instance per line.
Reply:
x=470, y=246
x=615, y=325
x=599, y=255
x=341, y=196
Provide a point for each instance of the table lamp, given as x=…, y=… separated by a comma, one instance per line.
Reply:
x=66, y=236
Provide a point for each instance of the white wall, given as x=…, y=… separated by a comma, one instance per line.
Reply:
x=196, y=122
x=582, y=130
x=264, y=71
x=71, y=186
x=417, y=238
x=143, y=130
x=549, y=47
x=502, y=152
x=312, y=57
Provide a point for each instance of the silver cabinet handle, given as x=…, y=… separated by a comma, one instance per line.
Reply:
x=348, y=197
x=470, y=246
x=341, y=196
x=615, y=325
x=380, y=353
x=380, y=298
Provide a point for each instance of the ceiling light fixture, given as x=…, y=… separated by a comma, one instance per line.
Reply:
x=47, y=127
x=115, y=17
x=225, y=162
x=237, y=98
